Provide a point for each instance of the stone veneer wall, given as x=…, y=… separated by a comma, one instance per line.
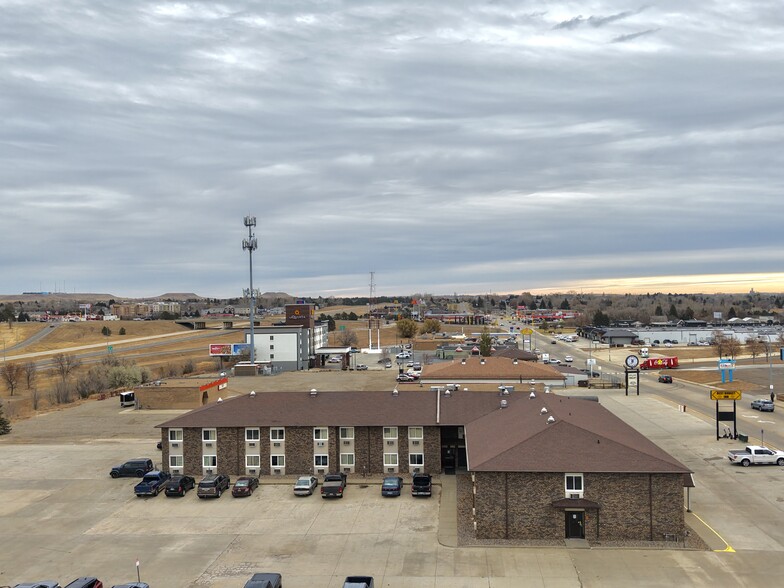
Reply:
x=191, y=452
x=231, y=451
x=518, y=505
x=299, y=450
x=432, y=451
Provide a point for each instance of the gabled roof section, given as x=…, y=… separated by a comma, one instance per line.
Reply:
x=584, y=437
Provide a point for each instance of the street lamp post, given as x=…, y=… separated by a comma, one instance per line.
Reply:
x=250, y=244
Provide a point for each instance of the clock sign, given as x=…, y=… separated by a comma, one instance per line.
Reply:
x=632, y=361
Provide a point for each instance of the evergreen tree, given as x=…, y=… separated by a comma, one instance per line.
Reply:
x=565, y=305
x=5, y=424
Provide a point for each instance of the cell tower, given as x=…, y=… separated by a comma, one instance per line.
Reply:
x=371, y=318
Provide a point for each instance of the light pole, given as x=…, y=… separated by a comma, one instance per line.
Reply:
x=250, y=244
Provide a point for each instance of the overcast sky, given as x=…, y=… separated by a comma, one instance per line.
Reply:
x=468, y=147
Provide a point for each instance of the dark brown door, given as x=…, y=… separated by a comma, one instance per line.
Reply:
x=575, y=525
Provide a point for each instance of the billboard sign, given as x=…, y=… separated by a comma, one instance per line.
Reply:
x=228, y=348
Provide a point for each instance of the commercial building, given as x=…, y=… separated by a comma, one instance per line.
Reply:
x=530, y=466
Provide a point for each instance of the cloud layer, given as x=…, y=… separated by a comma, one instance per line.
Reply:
x=458, y=147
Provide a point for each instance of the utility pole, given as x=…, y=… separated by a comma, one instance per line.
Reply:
x=250, y=244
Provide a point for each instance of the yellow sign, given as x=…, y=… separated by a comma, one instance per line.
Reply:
x=527, y=331
x=726, y=394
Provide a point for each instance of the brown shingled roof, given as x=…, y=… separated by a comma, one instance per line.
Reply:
x=494, y=368
x=584, y=437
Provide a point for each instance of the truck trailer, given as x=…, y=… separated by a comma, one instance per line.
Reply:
x=659, y=363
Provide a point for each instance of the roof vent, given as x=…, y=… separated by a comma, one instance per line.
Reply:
x=550, y=419
x=220, y=399
x=547, y=389
x=253, y=393
x=482, y=361
x=394, y=392
x=447, y=393
x=544, y=410
x=462, y=361
x=314, y=392
x=532, y=395
x=514, y=361
x=504, y=403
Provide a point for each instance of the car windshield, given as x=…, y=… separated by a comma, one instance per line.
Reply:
x=392, y=483
x=241, y=483
x=303, y=482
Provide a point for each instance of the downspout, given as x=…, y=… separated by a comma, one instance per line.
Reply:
x=650, y=503
x=506, y=504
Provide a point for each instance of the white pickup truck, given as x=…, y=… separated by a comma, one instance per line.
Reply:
x=756, y=454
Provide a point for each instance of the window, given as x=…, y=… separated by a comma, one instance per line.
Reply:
x=209, y=434
x=390, y=432
x=278, y=434
x=574, y=485
x=321, y=461
x=416, y=459
x=415, y=433
x=252, y=434
x=272, y=347
x=209, y=461
x=278, y=461
x=252, y=461
x=347, y=460
x=390, y=459
x=272, y=337
x=346, y=432
x=320, y=433
x=175, y=461
x=272, y=356
x=175, y=435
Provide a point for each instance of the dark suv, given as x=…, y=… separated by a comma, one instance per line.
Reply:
x=212, y=486
x=421, y=485
x=135, y=468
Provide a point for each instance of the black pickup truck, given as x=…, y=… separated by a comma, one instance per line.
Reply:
x=333, y=485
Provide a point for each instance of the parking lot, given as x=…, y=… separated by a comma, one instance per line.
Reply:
x=62, y=516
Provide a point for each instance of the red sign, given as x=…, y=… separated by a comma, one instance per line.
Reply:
x=222, y=382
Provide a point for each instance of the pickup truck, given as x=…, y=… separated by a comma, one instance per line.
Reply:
x=333, y=485
x=756, y=454
x=358, y=582
x=152, y=483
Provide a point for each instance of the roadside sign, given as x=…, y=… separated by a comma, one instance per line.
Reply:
x=726, y=394
x=527, y=331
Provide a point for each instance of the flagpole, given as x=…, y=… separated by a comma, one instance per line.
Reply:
x=138, y=576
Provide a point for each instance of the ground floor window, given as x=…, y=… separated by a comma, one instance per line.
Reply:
x=574, y=485
x=347, y=459
x=390, y=459
x=209, y=461
x=321, y=461
x=278, y=461
x=416, y=459
x=252, y=461
x=175, y=461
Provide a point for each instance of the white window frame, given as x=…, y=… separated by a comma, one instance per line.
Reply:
x=277, y=430
x=321, y=457
x=277, y=460
x=175, y=435
x=214, y=460
x=255, y=458
x=344, y=463
x=349, y=433
x=209, y=435
x=420, y=430
x=392, y=457
x=173, y=459
x=252, y=439
x=388, y=432
x=569, y=479
x=317, y=433
x=411, y=460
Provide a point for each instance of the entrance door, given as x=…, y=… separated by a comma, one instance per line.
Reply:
x=574, y=525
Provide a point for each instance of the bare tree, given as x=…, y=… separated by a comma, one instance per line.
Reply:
x=732, y=347
x=755, y=346
x=30, y=372
x=65, y=365
x=35, y=398
x=11, y=373
x=347, y=338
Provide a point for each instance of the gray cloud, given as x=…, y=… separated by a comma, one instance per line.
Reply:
x=632, y=36
x=451, y=149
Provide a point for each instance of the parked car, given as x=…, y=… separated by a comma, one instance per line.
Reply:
x=403, y=355
x=392, y=486
x=422, y=485
x=406, y=378
x=132, y=585
x=85, y=583
x=179, y=485
x=358, y=582
x=244, y=486
x=665, y=379
x=756, y=454
x=152, y=483
x=305, y=485
x=568, y=359
x=41, y=584
x=763, y=405
x=334, y=359
x=213, y=486
x=361, y=367
x=388, y=363
x=134, y=468
x=265, y=581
